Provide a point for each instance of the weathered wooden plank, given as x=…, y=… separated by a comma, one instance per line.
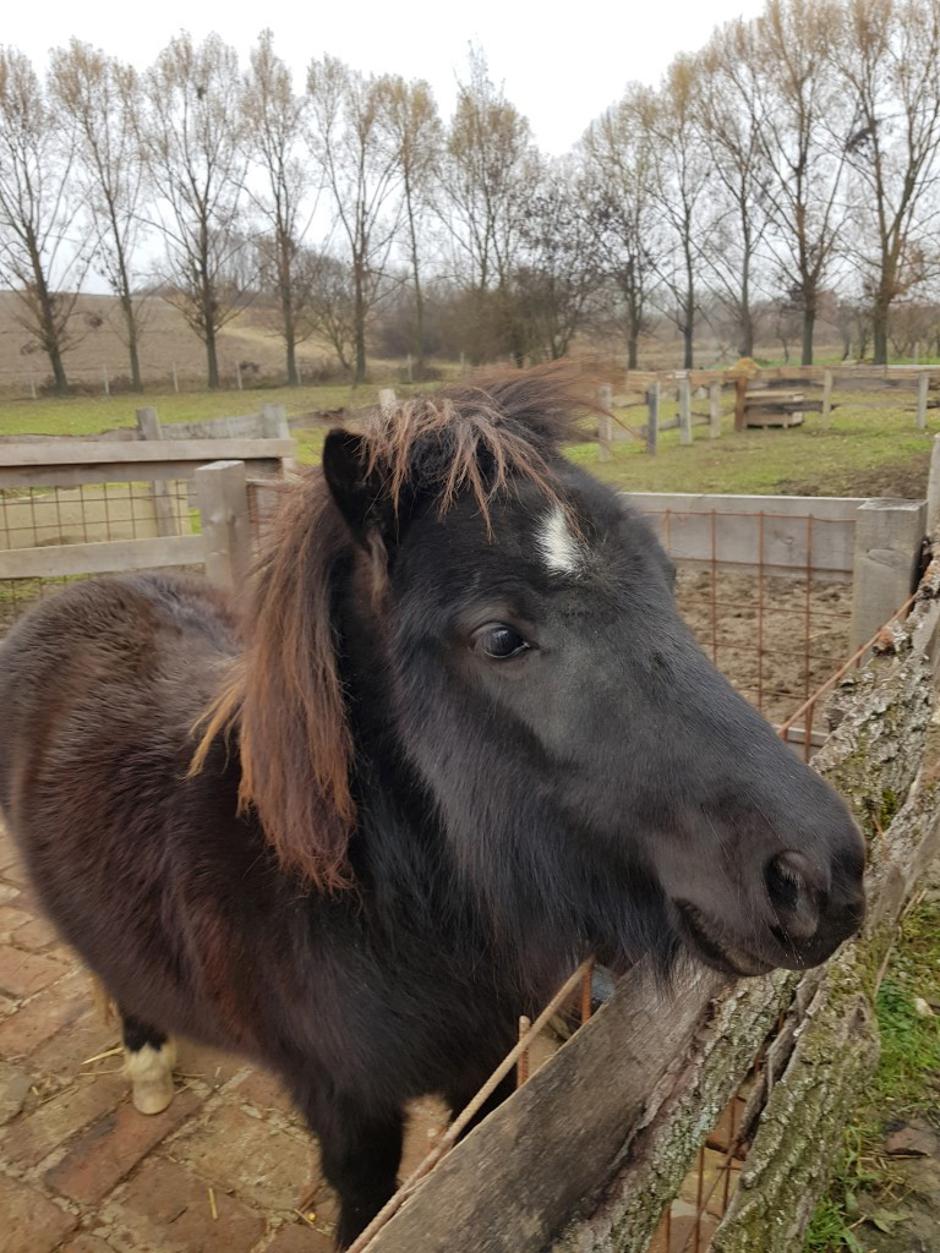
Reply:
x=839, y=508
x=17, y=477
x=101, y=558
x=512, y=1183
x=124, y=452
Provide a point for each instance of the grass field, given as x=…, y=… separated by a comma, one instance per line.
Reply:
x=863, y=450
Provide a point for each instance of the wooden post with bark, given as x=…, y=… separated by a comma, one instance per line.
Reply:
x=222, y=493
x=652, y=422
x=714, y=410
x=685, y=411
x=923, y=387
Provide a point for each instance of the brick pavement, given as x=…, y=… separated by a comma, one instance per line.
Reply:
x=220, y=1171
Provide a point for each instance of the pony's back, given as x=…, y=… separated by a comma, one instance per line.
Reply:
x=98, y=672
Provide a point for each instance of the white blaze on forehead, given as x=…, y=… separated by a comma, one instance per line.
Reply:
x=559, y=547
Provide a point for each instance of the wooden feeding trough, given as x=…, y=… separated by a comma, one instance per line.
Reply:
x=773, y=406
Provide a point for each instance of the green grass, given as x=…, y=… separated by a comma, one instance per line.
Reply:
x=858, y=444
x=906, y=1083
x=88, y=415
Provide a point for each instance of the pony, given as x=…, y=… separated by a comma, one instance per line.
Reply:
x=454, y=739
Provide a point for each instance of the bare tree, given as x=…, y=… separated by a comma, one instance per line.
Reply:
x=191, y=132
x=99, y=97
x=275, y=134
x=680, y=167
x=737, y=191
x=348, y=120
x=797, y=102
x=327, y=299
x=559, y=268
x=415, y=136
x=888, y=52
x=38, y=255
x=490, y=166
x=619, y=195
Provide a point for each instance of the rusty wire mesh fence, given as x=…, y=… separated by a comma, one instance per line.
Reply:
x=56, y=517
x=776, y=619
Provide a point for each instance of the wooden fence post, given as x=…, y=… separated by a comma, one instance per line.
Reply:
x=827, y=396
x=888, y=535
x=222, y=493
x=163, y=511
x=387, y=399
x=740, y=402
x=685, y=411
x=176, y=380
x=714, y=410
x=923, y=386
x=652, y=422
x=605, y=423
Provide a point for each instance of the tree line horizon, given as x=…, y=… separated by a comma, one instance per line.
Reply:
x=785, y=171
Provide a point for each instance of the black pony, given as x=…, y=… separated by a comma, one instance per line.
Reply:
x=458, y=740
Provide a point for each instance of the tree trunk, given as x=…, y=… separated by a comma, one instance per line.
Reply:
x=688, y=342
x=212, y=358
x=632, y=339
x=359, y=322
x=809, y=325
x=291, y=351
x=747, y=334
x=58, y=368
x=133, y=346
x=49, y=332
x=879, y=323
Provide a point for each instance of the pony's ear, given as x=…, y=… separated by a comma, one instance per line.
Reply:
x=360, y=496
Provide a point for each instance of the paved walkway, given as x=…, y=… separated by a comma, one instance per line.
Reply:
x=82, y=1172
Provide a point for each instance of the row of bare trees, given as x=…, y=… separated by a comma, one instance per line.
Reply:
x=795, y=156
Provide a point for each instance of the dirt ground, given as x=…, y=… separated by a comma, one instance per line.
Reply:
x=777, y=639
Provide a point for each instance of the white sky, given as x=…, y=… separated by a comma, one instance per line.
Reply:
x=561, y=64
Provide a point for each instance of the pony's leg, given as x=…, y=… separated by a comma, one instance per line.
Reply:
x=149, y=1058
x=360, y=1150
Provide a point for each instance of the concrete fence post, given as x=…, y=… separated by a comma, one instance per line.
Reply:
x=652, y=422
x=685, y=411
x=888, y=535
x=714, y=410
x=933, y=491
x=148, y=424
x=222, y=494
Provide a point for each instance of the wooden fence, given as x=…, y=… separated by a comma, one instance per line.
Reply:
x=755, y=389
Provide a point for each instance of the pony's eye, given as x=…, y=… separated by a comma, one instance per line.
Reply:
x=499, y=641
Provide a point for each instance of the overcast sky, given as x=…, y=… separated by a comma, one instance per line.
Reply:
x=561, y=71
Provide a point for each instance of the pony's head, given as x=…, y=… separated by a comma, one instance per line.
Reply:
x=500, y=617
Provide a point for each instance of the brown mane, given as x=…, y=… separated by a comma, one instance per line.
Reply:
x=284, y=696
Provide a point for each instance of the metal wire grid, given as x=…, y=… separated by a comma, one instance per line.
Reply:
x=40, y=517
x=776, y=631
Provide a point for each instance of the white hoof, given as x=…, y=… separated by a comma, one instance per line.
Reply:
x=150, y=1071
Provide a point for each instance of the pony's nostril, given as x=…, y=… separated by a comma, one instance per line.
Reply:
x=789, y=880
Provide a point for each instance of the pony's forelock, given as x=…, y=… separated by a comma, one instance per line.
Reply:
x=282, y=700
